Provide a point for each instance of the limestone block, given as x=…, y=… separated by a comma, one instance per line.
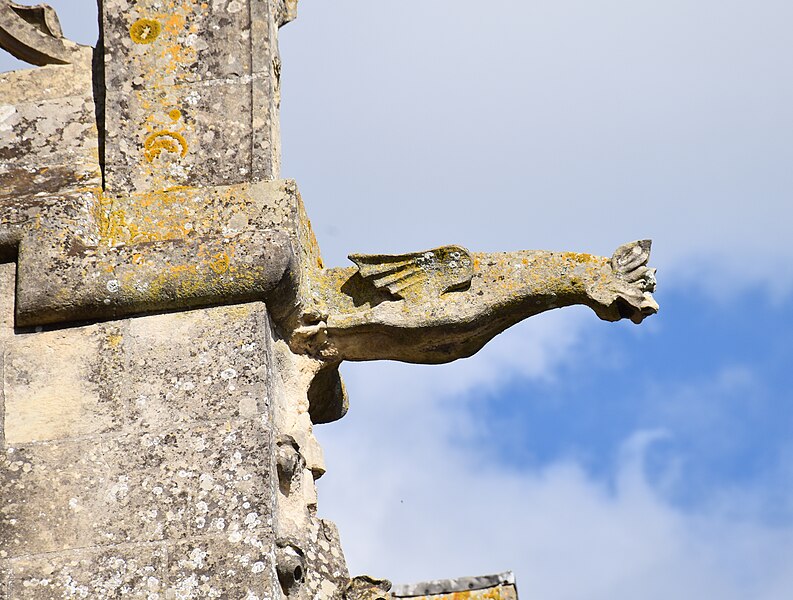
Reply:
x=204, y=61
x=185, y=42
x=326, y=568
x=51, y=390
x=48, y=134
x=161, y=137
x=177, y=483
x=215, y=372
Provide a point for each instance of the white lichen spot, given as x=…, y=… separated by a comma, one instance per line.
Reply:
x=193, y=98
x=113, y=286
x=197, y=556
x=207, y=481
x=252, y=520
x=156, y=490
x=6, y=112
x=227, y=374
x=257, y=567
x=235, y=537
x=220, y=524
x=118, y=491
x=200, y=522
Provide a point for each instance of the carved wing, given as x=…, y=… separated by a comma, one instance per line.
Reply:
x=430, y=272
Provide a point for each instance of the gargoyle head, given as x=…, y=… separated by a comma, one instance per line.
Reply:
x=624, y=291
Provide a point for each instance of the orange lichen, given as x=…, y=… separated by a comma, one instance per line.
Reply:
x=175, y=114
x=145, y=31
x=168, y=141
x=174, y=23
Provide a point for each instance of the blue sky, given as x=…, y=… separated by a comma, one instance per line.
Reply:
x=596, y=460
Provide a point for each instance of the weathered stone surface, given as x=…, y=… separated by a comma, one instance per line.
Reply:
x=48, y=133
x=170, y=72
x=178, y=483
x=487, y=587
x=236, y=565
x=131, y=570
x=49, y=391
x=88, y=255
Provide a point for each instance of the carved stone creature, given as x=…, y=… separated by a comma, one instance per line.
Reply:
x=445, y=304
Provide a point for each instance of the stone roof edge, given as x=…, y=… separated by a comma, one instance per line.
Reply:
x=449, y=586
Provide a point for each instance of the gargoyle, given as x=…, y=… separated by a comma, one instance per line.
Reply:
x=444, y=304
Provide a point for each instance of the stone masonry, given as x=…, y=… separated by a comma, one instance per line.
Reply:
x=169, y=334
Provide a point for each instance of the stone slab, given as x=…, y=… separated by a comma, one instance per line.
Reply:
x=201, y=61
x=50, y=389
x=181, y=135
x=135, y=488
x=222, y=566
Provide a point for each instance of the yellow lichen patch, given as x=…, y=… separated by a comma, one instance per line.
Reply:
x=114, y=340
x=145, y=31
x=164, y=141
x=579, y=257
x=219, y=263
x=175, y=114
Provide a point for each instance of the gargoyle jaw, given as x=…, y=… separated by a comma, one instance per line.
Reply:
x=624, y=308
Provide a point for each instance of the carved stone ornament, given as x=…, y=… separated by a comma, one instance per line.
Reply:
x=33, y=34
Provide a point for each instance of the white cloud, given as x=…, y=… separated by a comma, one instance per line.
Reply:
x=413, y=504
x=558, y=125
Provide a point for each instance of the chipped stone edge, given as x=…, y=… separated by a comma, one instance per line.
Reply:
x=450, y=586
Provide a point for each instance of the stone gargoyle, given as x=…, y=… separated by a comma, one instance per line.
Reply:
x=444, y=304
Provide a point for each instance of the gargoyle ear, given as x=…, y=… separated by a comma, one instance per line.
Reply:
x=630, y=256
